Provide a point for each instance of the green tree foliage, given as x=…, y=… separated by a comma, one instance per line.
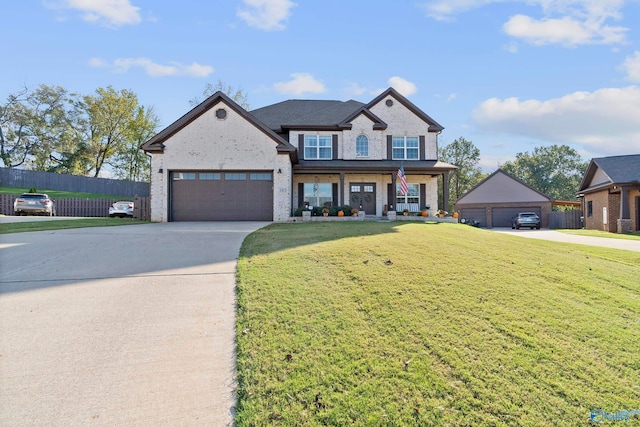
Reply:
x=555, y=170
x=32, y=124
x=50, y=129
x=465, y=155
x=239, y=96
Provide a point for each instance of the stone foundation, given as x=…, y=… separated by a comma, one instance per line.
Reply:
x=625, y=226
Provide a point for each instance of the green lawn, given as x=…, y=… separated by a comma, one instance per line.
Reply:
x=432, y=324
x=60, y=224
x=598, y=233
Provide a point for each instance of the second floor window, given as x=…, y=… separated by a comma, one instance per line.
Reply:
x=317, y=147
x=362, y=146
x=405, y=148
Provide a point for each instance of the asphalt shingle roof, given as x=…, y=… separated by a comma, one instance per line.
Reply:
x=300, y=112
x=620, y=168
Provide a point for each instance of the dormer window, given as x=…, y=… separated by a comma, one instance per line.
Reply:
x=362, y=146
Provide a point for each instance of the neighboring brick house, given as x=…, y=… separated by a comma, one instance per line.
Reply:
x=610, y=192
x=221, y=162
x=499, y=197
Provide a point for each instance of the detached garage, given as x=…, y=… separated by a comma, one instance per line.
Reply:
x=499, y=198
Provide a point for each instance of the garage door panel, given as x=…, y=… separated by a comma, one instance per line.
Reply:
x=477, y=214
x=501, y=217
x=238, y=198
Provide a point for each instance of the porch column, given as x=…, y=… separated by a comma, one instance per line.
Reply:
x=445, y=191
x=341, y=189
x=625, y=225
x=624, y=203
x=393, y=197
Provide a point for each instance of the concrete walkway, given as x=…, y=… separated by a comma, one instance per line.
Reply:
x=556, y=236
x=129, y=325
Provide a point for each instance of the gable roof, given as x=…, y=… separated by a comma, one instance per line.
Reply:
x=501, y=187
x=433, y=125
x=156, y=144
x=330, y=115
x=605, y=171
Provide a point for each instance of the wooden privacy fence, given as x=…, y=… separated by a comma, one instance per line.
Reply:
x=566, y=219
x=83, y=207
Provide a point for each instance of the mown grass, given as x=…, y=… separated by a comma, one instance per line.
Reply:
x=599, y=233
x=54, y=194
x=432, y=324
x=61, y=224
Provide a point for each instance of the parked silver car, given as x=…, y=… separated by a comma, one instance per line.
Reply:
x=34, y=203
x=121, y=209
x=526, y=219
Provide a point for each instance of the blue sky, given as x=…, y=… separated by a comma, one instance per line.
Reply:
x=509, y=75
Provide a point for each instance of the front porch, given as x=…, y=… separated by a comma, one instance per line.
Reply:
x=372, y=186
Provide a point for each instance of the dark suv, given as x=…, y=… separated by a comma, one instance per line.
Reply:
x=526, y=219
x=34, y=203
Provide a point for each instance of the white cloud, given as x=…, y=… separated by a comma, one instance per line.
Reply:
x=300, y=83
x=111, y=13
x=266, y=14
x=353, y=90
x=631, y=66
x=567, y=31
x=405, y=87
x=602, y=121
x=444, y=10
x=567, y=22
x=122, y=65
x=511, y=47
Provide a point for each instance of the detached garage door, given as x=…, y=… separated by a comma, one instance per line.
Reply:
x=221, y=196
x=501, y=217
x=478, y=214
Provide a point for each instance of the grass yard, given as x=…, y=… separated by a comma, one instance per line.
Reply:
x=598, y=233
x=401, y=324
x=61, y=224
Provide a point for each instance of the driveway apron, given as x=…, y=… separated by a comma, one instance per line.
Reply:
x=129, y=325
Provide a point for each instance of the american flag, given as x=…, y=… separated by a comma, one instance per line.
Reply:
x=404, y=188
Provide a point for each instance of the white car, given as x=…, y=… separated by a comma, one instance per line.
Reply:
x=121, y=209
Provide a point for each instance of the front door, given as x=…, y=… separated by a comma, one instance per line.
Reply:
x=363, y=197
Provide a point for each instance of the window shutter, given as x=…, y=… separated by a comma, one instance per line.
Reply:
x=423, y=195
x=389, y=147
x=334, y=193
x=300, y=194
x=390, y=201
x=334, y=147
x=422, y=147
x=301, y=146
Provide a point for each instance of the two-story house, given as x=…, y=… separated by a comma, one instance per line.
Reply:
x=221, y=162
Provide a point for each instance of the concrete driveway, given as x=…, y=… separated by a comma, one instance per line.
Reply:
x=126, y=325
x=556, y=236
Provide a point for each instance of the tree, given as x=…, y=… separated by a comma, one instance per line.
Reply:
x=31, y=123
x=239, y=96
x=465, y=155
x=113, y=121
x=130, y=162
x=556, y=170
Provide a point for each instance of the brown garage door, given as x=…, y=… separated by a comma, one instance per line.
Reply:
x=221, y=196
x=478, y=214
x=501, y=217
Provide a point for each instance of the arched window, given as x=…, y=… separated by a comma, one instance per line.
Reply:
x=362, y=146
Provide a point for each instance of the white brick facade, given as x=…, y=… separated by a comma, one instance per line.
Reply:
x=202, y=141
